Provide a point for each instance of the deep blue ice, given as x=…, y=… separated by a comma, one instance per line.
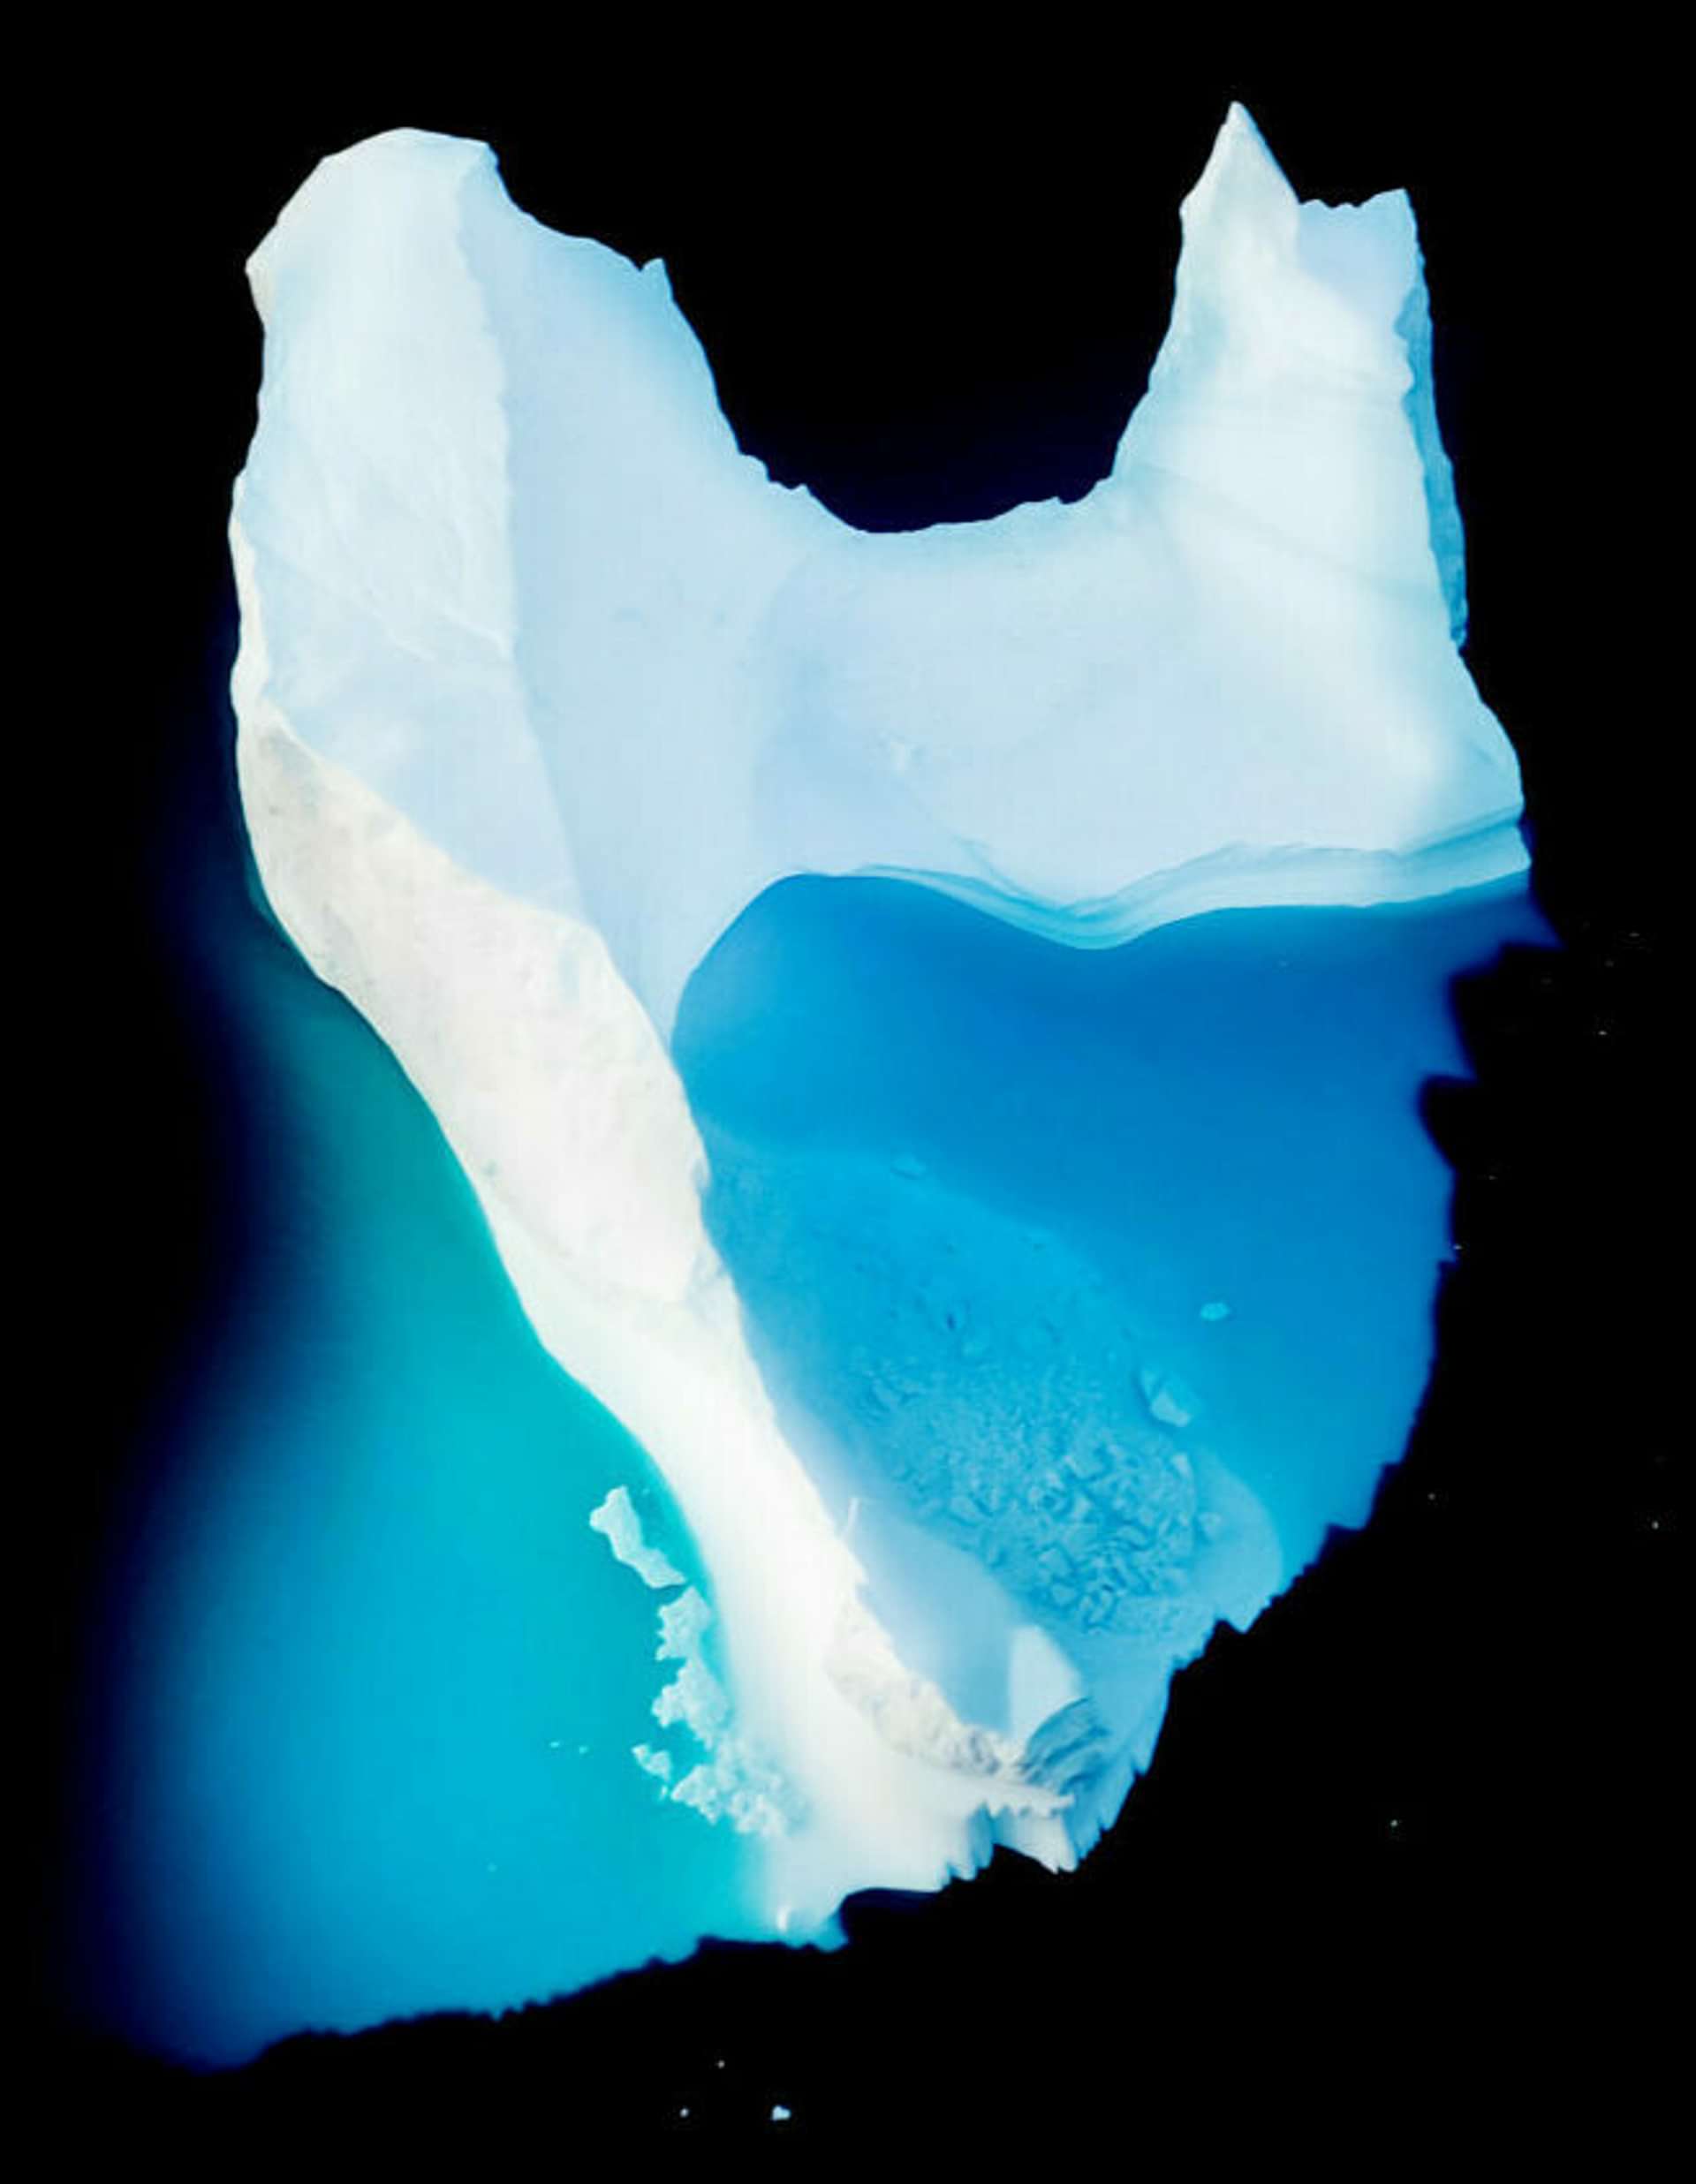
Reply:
x=993, y=1203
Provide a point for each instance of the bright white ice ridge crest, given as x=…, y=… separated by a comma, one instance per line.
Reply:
x=543, y=682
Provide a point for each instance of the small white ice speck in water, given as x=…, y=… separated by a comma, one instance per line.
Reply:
x=780, y=2114
x=1216, y=1309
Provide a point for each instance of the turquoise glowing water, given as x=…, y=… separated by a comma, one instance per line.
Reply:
x=381, y=1680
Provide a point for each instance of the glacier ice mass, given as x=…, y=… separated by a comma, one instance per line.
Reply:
x=549, y=702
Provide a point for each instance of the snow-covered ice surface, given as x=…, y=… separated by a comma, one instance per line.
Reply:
x=1063, y=1263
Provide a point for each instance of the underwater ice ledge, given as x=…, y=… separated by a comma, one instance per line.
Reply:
x=543, y=682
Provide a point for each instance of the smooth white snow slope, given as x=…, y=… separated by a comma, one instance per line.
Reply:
x=542, y=681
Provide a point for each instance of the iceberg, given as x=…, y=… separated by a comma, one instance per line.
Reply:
x=888, y=991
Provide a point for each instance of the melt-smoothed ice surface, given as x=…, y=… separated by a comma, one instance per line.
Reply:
x=933, y=1021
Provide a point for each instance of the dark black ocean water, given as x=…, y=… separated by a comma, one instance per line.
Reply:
x=1407, y=1867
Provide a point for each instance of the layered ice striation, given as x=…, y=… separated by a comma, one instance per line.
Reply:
x=933, y=1020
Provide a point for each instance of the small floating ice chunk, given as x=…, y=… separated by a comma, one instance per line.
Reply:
x=1216, y=1311
x=617, y=1519
x=779, y=2113
x=658, y=1763
x=1168, y=1399
x=682, y=1622
x=696, y=1698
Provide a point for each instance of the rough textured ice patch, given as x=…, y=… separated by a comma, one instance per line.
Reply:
x=736, y=1786
x=616, y=1520
x=695, y=1697
x=683, y=1625
x=732, y=1782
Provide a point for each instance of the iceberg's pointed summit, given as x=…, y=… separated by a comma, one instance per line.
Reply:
x=1293, y=389
x=1275, y=295
x=1242, y=191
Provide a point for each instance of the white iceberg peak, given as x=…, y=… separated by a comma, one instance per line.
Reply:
x=1242, y=184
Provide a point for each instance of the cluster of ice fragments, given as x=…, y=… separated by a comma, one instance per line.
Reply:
x=731, y=1781
x=542, y=681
